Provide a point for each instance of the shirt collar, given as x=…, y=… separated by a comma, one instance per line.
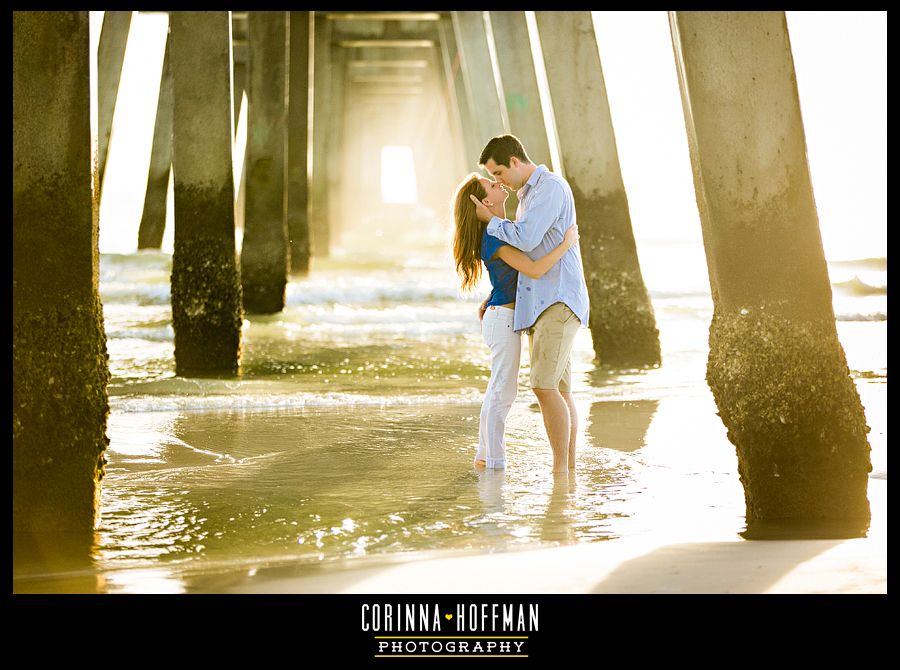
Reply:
x=532, y=180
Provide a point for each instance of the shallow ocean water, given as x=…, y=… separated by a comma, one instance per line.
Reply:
x=350, y=431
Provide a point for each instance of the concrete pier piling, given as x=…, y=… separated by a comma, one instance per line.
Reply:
x=298, y=136
x=522, y=98
x=264, y=251
x=480, y=75
x=449, y=76
x=463, y=111
x=520, y=87
x=484, y=88
x=622, y=322
x=153, y=218
x=335, y=140
x=110, y=59
x=776, y=368
x=206, y=288
x=238, y=92
x=60, y=371
x=239, y=61
x=319, y=232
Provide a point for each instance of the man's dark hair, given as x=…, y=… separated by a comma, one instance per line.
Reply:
x=500, y=148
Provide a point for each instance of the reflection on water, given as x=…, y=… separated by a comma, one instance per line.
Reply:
x=621, y=424
x=333, y=483
x=351, y=429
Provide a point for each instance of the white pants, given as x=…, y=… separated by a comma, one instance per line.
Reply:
x=506, y=351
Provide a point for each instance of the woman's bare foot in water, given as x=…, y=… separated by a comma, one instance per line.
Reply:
x=479, y=463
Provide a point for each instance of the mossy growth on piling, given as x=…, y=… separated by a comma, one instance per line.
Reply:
x=60, y=408
x=206, y=308
x=784, y=393
x=264, y=265
x=264, y=283
x=622, y=321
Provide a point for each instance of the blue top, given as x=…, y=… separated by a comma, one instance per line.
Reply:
x=546, y=210
x=503, y=277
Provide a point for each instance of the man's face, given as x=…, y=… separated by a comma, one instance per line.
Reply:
x=508, y=176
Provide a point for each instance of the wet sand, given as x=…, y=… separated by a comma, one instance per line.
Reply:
x=628, y=566
x=645, y=564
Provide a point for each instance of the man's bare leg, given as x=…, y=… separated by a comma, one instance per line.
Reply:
x=556, y=421
x=573, y=428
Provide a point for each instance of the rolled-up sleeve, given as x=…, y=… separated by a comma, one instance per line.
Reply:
x=527, y=232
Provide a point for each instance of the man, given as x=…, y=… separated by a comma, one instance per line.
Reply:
x=550, y=309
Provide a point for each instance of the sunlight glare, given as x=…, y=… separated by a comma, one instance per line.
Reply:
x=398, y=175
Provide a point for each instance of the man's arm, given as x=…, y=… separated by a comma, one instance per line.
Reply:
x=527, y=233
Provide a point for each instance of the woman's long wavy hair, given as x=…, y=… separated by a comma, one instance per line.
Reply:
x=469, y=231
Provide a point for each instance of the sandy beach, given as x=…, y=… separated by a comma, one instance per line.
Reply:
x=624, y=566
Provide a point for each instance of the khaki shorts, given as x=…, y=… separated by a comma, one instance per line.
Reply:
x=550, y=342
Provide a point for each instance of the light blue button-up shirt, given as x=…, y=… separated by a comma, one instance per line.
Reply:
x=546, y=210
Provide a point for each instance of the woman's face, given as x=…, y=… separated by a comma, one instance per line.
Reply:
x=495, y=191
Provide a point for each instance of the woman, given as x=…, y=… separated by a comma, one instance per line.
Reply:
x=472, y=246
